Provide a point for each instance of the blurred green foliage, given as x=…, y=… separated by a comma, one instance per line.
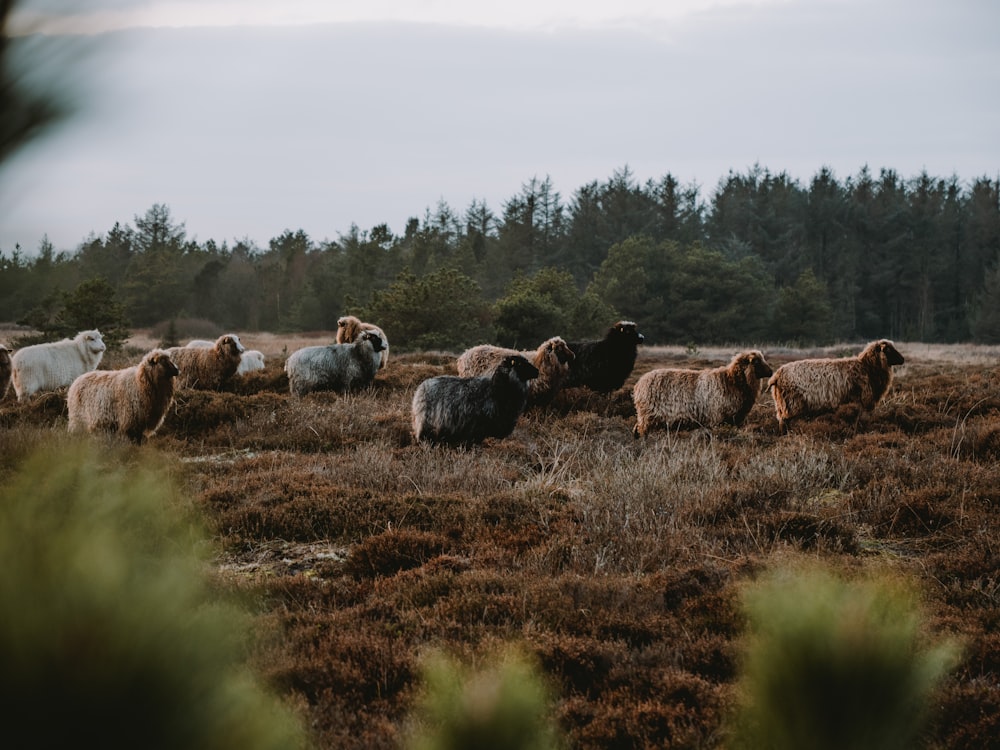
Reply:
x=109, y=636
x=834, y=664
x=500, y=705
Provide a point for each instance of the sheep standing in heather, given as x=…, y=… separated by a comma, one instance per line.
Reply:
x=808, y=387
x=350, y=327
x=336, y=367
x=605, y=365
x=207, y=368
x=131, y=402
x=45, y=367
x=5, y=369
x=552, y=360
x=465, y=411
x=251, y=360
x=684, y=398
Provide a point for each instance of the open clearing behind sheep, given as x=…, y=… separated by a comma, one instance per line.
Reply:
x=617, y=562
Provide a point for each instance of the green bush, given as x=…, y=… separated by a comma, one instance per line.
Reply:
x=835, y=664
x=108, y=635
x=502, y=706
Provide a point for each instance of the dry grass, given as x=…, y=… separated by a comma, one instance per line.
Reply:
x=615, y=562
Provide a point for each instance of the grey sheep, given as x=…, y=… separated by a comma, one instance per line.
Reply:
x=131, y=402
x=335, y=367
x=808, y=387
x=207, y=368
x=464, y=411
x=349, y=328
x=46, y=367
x=552, y=359
x=686, y=398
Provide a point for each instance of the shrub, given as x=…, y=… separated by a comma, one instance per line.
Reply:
x=504, y=706
x=108, y=629
x=835, y=664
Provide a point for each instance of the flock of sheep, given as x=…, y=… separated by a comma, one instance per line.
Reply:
x=492, y=389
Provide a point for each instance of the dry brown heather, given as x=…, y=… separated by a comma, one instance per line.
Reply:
x=617, y=562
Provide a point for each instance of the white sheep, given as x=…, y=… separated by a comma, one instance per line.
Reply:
x=131, y=402
x=46, y=367
x=464, y=411
x=335, y=367
x=251, y=360
x=812, y=386
x=207, y=368
x=349, y=328
x=674, y=397
x=552, y=359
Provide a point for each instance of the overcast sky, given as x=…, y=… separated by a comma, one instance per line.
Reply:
x=248, y=118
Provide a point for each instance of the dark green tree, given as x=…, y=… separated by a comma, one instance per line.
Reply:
x=984, y=322
x=548, y=304
x=802, y=313
x=443, y=310
x=93, y=304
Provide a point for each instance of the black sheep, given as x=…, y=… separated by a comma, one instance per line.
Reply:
x=464, y=411
x=605, y=365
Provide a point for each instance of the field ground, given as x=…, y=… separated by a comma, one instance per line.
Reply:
x=617, y=563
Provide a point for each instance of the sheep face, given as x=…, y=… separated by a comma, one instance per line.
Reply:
x=888, y=352
x=374, y=339
x=561, y=350
x=230, y=345
x=626, y=330
x=93, y=341
x=520, y=367
x=754, y=363
x=161, y=361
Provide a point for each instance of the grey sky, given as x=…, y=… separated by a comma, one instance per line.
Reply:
x=248, y=131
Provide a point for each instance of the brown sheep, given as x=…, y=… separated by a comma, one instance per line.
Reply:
x=350, y=327
x=552, y=358
x=131, y=402
x=207, y=369
x=5, y=370
x=808, y=387
x=706, y=398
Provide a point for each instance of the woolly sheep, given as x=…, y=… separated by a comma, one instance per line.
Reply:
x=45, y=367
x=552, y=360
x=605, y=365
x=350, y=327
x=207, y=368
x=677, y=397
x=4, y=371
x=808, y=387
x=335, y=367
x=131, y=402
x=250, y=361
x=464, y=411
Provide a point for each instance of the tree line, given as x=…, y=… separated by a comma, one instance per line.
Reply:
x=763, y=259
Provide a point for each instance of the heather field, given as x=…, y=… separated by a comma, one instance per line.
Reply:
x=616, y=563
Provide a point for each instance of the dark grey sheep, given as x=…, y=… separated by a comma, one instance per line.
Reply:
x=335, y=367
x=465, y=411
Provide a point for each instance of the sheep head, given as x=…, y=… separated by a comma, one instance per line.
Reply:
x=374, y=339
x=560, y=349
x=889, y=352
x=626, y=330
x=521, y=367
